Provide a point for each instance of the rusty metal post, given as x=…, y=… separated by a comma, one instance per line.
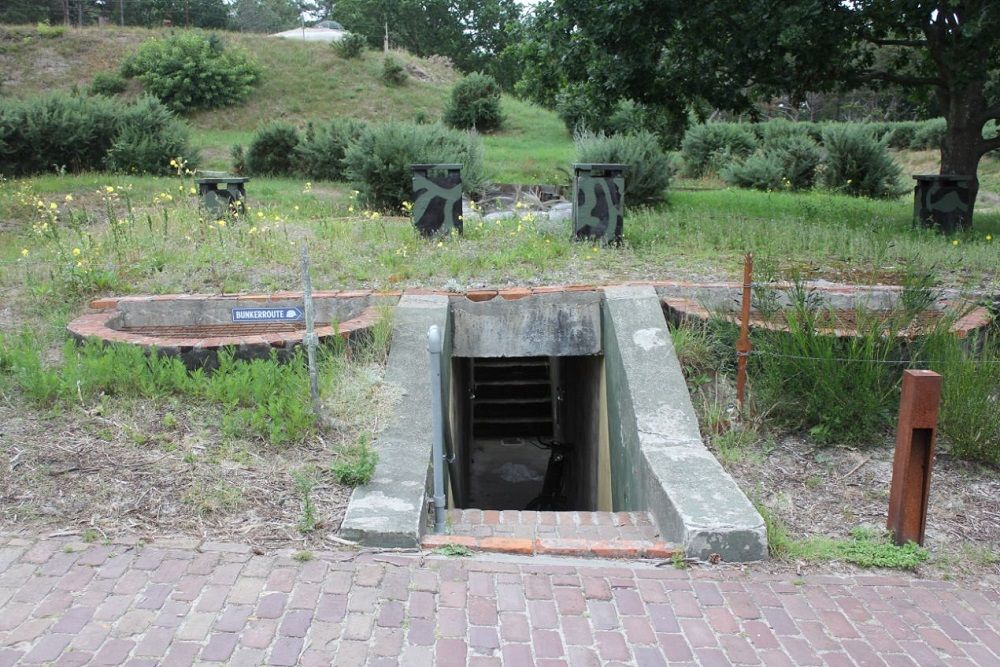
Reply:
x=911, y=466
x=743, y=343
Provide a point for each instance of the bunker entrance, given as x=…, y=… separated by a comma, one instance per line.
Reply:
x=529, y=433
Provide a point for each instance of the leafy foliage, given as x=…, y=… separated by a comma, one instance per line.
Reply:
x=108, y=84
x=272, y=149
x=710, y=146
x=149, y=136
x=355, y=465
x=351, y=46
x=787, y=161
x=858, y=164
x=189, y=72
x=393, y=73
x=378, y=163
x=649, y=168
x=321, y=151
x=471, y=33
x=89, y=133
x=474, y=104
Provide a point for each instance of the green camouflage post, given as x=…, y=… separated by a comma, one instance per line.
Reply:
x=943, y=201
x=437, y=198
x=598, y=202
x=220, y=201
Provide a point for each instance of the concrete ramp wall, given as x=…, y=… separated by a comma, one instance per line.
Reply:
x=391, y=510
x=659, y=462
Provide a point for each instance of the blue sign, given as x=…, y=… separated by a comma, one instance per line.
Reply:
x=278, y=314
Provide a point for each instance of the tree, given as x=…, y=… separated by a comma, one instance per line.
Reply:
x=472, y=33
x=672, y=55
x=265, y=15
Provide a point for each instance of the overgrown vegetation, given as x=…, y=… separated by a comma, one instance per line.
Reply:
x=864, y=547
x=649, y=168
x=378, y=163
x=351, y=46
x=393, y=72
x=108, y=84
x=272, y=150
x=323, y=148
x=61, y=132
x=474, y=104
x=858, y=164
x=188, y=71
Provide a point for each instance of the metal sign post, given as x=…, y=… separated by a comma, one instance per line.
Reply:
x=310, y=337
x=914, y=458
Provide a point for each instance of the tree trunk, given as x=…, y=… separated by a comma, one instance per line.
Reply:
x=962, y=145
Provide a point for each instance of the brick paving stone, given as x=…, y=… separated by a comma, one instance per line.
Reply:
x=172, y=605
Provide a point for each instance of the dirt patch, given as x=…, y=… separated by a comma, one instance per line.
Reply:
x=828, y=491
x=126, y=469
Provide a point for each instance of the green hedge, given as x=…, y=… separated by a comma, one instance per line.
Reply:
x=77, y=133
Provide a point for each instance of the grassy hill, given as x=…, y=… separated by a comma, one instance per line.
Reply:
x=301, y=81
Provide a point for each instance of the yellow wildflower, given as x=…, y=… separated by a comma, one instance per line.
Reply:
x=69, y=198
x=76, y=252
x=220, y=222
x=192, y=191
x=108, y=189
x=24, y=252
x=53, y=206
x=955, y=242
x=989, y=237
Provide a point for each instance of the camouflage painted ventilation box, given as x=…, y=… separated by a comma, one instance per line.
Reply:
x=598, y=201
x=943, y=201
x=221, y=193
x=437, y=198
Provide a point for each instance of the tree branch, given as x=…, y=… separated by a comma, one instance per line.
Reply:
x=989, y=145
x=903, y=79
x=991, y=113
x=911, y=43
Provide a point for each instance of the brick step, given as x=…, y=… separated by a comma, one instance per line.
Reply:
x=594, y=534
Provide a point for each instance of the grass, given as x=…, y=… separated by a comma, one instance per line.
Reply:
x=864, y=548
x=533, y=146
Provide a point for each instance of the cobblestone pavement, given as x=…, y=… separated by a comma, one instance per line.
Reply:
x=69, y=603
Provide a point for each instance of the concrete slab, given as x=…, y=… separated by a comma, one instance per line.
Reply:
x=659, y=462
x=553, y=325
x=391, y=510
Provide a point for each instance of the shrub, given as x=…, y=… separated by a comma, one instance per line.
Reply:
x=393, y=73
x=379, y=161
x=474, y=104
x=189, y=72
x=323, y=148
x=108, y=84
x=788, y=161
x=149, y=136
x=761, y=171
x=709, y=146
x=901, y=134
x=858, y=164
x=929, y=135
x=649, y=168
x=777, y=132
x=351, y=46
x=55, y=131
x=49, y=31
x=272, y=149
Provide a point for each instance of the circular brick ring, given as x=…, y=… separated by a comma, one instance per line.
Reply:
x=197, y=345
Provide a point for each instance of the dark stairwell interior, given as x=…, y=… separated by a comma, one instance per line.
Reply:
x=528, y=432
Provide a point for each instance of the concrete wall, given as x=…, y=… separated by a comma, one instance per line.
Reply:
x=392, y=509
x=659, y=462
x=192, y=310
x=540, y=325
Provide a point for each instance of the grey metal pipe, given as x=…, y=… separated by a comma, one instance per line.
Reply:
x=435, y=346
